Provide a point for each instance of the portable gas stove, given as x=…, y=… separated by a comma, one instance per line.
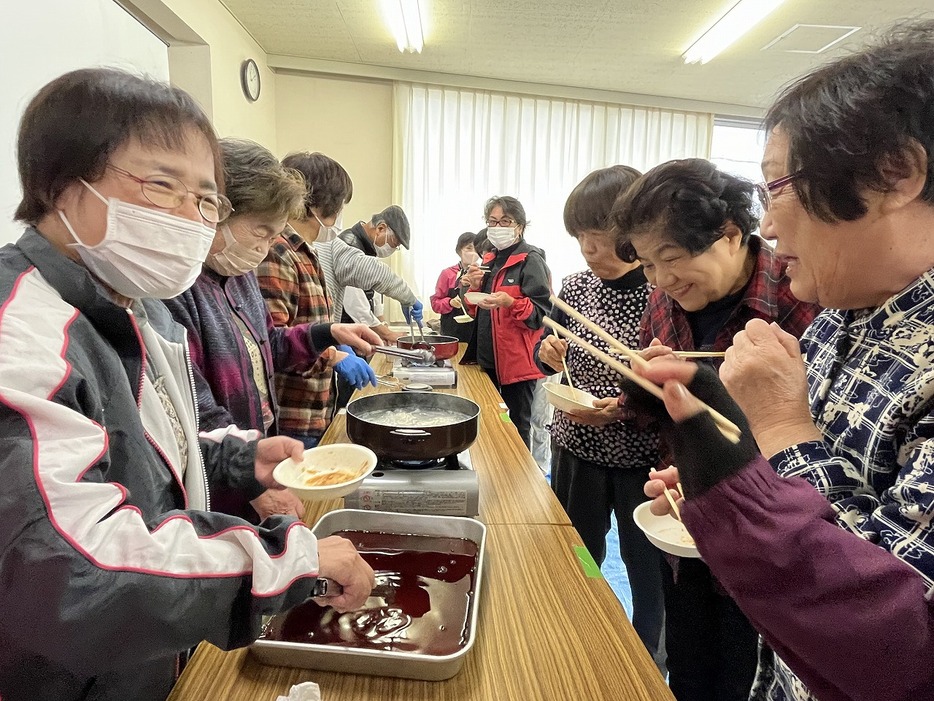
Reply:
x=444, y=487
x=441, y=373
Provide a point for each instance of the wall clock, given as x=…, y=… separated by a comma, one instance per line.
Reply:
x=249, y=79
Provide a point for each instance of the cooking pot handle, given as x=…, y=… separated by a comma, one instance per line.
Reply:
x=410, y=433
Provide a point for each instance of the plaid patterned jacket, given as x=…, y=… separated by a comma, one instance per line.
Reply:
x=293, y=287
x=768, y=296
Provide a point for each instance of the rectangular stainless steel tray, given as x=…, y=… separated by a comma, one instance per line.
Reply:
x=383, y=663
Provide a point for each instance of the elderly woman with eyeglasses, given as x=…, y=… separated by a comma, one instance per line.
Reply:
x=509, y=320
x=692, y=226
x=111, y=562
x=819, y=522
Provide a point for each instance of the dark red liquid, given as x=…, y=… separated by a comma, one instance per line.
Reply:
x=421, y=602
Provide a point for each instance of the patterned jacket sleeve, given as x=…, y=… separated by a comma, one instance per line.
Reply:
x=849, y=618
x=294, y=346
x=560, y=317
x=353, y=268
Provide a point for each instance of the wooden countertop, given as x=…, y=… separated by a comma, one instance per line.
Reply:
x=546, y=631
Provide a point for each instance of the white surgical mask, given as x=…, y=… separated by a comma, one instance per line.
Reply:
x=387, y=249
x=235, y=258
x=470, y=258
x=501, y=236
x=329, y=233
x=145, y=252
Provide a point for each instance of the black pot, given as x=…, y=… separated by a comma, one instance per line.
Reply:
x=412, y=442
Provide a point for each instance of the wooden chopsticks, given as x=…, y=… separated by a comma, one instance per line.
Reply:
x=614, y=343
x=729, y=430
x=683, y=354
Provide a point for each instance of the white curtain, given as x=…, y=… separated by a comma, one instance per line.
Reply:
x=456, y=148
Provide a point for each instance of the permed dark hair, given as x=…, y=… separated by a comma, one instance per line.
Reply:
x=691, y=200
x=74, y=124
x=850, y=124
x=329, y=186
x=589, y=205
x=511, y=208
x=258, y=184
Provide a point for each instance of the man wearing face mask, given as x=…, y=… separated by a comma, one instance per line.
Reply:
x=509, y=320
x=379, y=237
x=234, y=344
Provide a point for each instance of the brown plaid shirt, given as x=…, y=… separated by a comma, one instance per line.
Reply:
x=293, y=287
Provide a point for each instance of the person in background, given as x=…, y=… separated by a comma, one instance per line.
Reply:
x=112, y=564
x=301, y=268
x=380, y=238
x=234, y=345
x=448, y=297
x=599, y=462
x=691, y=225
x=509, y=320
x=821, y=526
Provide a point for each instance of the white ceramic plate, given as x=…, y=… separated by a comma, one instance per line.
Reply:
x=665, y=532
x=463, y=318
x=568, y=398
x=476, y=297
x=349, y=456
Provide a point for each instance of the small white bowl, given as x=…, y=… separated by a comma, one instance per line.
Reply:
x=463, y=318
x=476, y=297
x=337, y=455
x=665, y=532
x=569, y=399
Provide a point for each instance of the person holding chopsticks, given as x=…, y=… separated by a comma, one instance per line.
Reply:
x=692, y=227
x=598, y=462
x=821, y=528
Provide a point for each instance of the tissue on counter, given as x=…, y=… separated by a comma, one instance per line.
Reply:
x=306, y=691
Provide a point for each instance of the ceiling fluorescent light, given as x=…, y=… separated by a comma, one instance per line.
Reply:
x=742, y=17
x=405, y=21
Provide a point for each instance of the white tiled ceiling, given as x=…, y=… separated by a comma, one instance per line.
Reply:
x=631, y=46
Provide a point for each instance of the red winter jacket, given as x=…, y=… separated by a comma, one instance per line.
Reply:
x=516, y=329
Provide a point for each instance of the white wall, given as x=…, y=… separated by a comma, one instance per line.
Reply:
x=42, y=40
x=230, y=45
x=349, y=120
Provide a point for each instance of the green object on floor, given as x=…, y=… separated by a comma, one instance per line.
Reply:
x=589, y=565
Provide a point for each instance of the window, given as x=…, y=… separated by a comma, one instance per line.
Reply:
x=737, y=147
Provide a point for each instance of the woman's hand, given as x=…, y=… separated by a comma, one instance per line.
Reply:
x=358, y=336
x=278, y=502
x=270, y=452
x=497, y=299
x=764, y=372
x=605, y=411
x=656, y=349
x=659, y=482
x=339, y=561
x=552, y=351
x=456, y=303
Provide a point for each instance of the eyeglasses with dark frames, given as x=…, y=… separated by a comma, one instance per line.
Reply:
x=765, y=190
x=505, y=221
x=166, y=192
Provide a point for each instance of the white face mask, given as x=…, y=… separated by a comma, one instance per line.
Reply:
x=145, y=252
x=235, y=258
x=329, y=233
x=387, y=249
x=501, y=236
x=469, y=258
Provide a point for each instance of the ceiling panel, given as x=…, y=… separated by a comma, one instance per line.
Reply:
x=632, y=46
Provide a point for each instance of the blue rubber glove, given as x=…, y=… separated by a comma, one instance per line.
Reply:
x=413, y=313
x=355, y=370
